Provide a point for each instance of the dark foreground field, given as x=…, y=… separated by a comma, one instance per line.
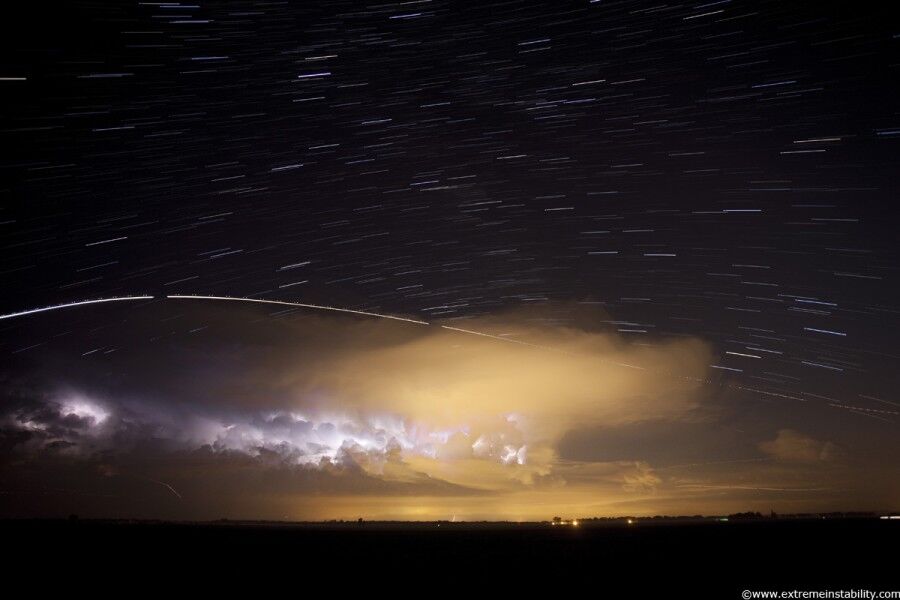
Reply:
x=703, y=559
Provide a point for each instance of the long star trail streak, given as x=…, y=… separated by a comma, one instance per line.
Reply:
x=507, y=259
x=310, y=306
x=380, y=316
x=297, y=304
x=167, y=486
x=501, y=338
x=530, y=345
x=73, y=304
x=416, y=322
x=646, y=144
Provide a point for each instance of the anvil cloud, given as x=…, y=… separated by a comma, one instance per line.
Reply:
x=311, y=416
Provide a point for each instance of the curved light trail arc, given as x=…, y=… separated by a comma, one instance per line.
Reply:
x=858, y=410
x=73, y=304
x=299, y=305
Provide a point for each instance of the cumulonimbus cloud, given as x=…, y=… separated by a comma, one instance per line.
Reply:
x=792, y=446
x=395, y=402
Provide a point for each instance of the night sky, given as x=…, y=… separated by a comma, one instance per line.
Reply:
x=643, y=256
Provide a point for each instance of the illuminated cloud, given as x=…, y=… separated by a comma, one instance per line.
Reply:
x=329, y=416
x=83, y=409
x=392, y=402
x=793, y=446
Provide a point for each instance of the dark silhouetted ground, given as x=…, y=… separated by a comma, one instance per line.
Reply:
x=707, y=559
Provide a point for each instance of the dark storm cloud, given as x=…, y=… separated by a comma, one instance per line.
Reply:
x=660, y=442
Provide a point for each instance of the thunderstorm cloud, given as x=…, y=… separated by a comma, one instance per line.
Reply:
x=254, y=415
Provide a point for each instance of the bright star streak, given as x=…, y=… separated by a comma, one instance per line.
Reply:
x=72, y=304
x=418, y=322
x=298, y=304
x=521, y=343
x=499, y=338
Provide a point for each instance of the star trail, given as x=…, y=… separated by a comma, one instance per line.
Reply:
x=670, y=213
